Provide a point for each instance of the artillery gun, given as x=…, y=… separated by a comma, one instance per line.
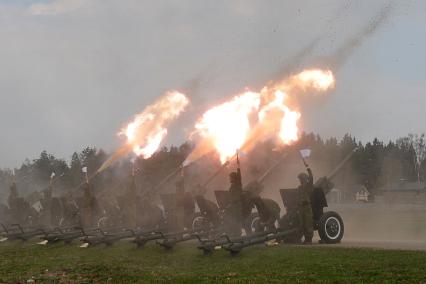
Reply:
x=212, y=215
x=107, y=238
x=329, y=224
x=16, y=232
x=143, y=239
x=173, y=230
x=66, y=235
x=168, y=239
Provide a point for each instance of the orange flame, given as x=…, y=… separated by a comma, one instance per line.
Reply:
x=316, y=79
x=282, y=117
x=148, y=129
x=226, y=127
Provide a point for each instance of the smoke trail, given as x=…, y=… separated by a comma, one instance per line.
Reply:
x=348, y=48
x=296, y=61
x=341, y=11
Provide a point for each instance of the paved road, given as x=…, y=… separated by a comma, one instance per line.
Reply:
x=395, y=245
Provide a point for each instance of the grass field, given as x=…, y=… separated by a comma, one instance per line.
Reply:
x=123, y=263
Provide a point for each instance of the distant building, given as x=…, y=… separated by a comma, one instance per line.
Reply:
x=404, y=192
x=350, y=194
x=362, y=195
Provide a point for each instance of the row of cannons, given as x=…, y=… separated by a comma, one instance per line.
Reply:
x=213, y=226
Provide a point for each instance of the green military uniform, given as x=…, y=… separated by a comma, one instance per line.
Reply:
x=89, y=208
x=185, y=206
x=267, y=209
x=304, y=205
x=46, y=215
x=20, y=211
x=235, y=209
x=13, y=202
x=269, y=212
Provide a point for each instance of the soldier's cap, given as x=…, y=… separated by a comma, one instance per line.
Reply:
x=303, y=176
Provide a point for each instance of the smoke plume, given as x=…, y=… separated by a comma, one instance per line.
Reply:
x=348, y=48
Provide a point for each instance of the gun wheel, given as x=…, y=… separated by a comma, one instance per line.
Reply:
x=255, y=224
x=331, y=227
x=198, y=223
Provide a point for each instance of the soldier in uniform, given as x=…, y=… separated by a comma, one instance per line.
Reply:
x=89, y=207
x=46, y=202
x=20, y=210
x=13, y=203
x=269, y=213
x=185, y=206
x=51, y=212
x=305, y=190
x=235, y=216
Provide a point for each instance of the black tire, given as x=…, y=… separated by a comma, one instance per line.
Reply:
x=331, y=227
x=255, y=223
x=252, y=224
x=199, y=223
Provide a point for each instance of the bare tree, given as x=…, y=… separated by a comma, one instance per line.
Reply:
x=419, y=145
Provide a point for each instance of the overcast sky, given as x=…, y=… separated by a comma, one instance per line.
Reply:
x=73, y=72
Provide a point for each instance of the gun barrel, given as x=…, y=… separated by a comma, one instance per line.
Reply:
x=214, y=175
x=164, y=181
x=336, y=170
x=211, y=178
x=271, y=169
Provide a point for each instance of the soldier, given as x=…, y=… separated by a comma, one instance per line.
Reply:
x=236, y=188
x=269, y=213
x=20, y=210
x=89, y=207
x=305, y=190
x=50, y=212
x=13, y=194
x=235, y=218
x=46, y=203
x=185, y=206
x=13, y=203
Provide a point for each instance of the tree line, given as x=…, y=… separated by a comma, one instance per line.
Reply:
x=374, y=165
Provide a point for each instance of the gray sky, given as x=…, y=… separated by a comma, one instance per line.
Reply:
x=73, y=72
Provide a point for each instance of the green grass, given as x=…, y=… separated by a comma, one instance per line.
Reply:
x=123, y=263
